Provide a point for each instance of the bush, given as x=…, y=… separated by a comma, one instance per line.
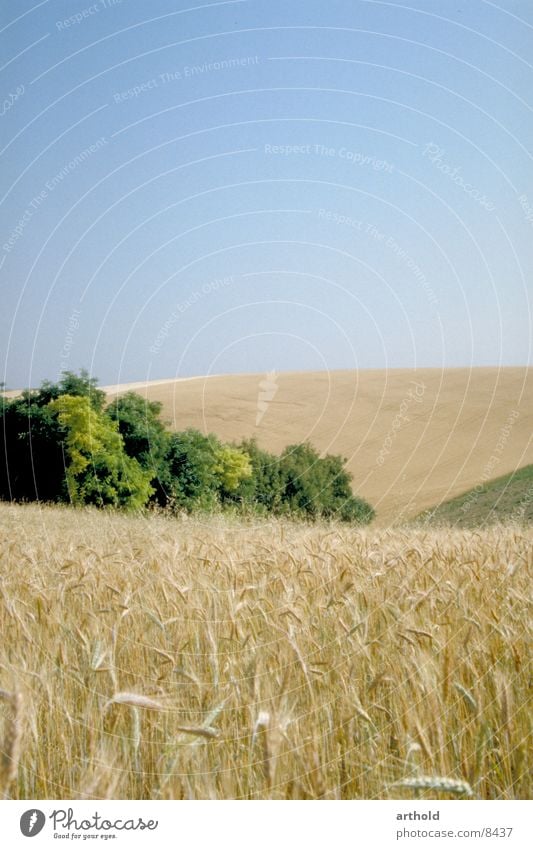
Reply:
x=300, y=467
x=232, y=467
x=32, y=461
x=263, y=489
x=144, y=435
x=200, y=472
x=59, y=443
x=188, y=479
x=356, y=510
x=32, y=465
x=99, y=471
x=300, y=483
x=80, y=385
x=320, y=487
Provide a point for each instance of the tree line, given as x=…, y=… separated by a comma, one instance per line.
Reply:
x=64, y=443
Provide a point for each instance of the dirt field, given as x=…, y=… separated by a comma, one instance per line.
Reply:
x=412, y=439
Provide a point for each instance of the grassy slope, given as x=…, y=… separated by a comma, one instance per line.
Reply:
x=507, y=498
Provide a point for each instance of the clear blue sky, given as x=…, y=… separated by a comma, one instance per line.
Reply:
x=192, y=188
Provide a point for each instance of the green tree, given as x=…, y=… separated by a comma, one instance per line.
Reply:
x=144, y=435
x=189, y=479
x=81, y=384
x=320, y=487
x=98, y=471
x=301, y=469
x=32, y=466
x=263, y=490
x=58, y=442
x=337, y=498
x=32, y=463
x=356, y=511
x=232, y=466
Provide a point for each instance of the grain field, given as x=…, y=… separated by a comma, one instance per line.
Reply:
x=148, y=657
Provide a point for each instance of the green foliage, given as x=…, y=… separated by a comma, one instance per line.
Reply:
x=264, y=488
x=60, y=442
x=201, y=472
x=320, y=487
x=70, y=384
x=144, y=435
x=32, y=463
x=231, y=468
x=302, y=480
x=99, y=470
x=302, y=484
x=83, y=385
x=355, y=510
x=31, y=456
x=508, y=498
x=189, y=479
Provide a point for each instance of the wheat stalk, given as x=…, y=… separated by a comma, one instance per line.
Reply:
x=435, y=782
x=9, y=757
x=135, y=700
x=261, y=735
x=206, y=731
x=330, y=706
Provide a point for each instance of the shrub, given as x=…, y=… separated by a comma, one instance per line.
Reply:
x=188, y=479
x=144, y=435
x=32, y=466
x=300, y=483
x=303, y=480
x=32, y=462
x=263, y=489
x=58, y=442
x=317, y=486
x=98, y=471
x=232, y=467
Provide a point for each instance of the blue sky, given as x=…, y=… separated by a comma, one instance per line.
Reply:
x=192, y=188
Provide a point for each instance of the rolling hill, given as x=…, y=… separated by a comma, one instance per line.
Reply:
x=413, y=438
x=506, y=499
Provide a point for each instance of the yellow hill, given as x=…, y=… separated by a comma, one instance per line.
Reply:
x=412, y=438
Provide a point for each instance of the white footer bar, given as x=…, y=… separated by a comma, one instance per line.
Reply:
x=268, y=824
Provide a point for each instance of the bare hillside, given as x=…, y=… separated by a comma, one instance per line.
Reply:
x=412, y=438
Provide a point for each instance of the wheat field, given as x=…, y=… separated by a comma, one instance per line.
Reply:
x=149, y=657
x=445, y=443
x=465, y=425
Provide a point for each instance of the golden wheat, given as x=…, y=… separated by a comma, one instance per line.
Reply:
x=9, y=755
x=436, y=782
x=167, y=659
